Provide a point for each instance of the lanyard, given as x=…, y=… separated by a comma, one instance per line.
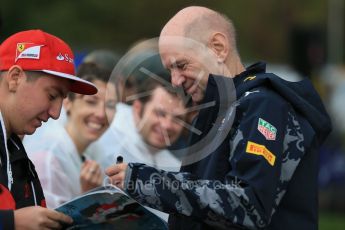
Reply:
x=9, y=170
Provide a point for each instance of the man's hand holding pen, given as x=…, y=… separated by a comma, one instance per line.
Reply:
x=117, y=172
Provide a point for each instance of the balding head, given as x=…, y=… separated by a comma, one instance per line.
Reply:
x=195, y=43
x=200, y=23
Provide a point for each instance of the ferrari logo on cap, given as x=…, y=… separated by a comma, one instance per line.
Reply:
x=20, y=47
x=28, y=51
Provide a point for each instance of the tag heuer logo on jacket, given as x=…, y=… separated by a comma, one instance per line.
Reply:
x=266, y=129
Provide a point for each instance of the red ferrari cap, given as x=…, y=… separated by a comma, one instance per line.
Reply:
x=35, y=50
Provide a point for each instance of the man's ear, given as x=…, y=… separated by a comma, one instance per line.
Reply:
x=219, y=44
x=15, y=75
x=137, y=111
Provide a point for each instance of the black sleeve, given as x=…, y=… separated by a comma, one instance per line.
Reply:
x=7, y=219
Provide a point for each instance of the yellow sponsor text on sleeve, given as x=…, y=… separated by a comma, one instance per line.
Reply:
x=261, y=150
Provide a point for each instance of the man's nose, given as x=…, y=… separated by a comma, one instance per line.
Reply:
x=167, y=123
x=176, y=78
x=55, y=109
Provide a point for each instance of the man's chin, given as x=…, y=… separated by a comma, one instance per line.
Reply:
x=28, y=132
x=197, y=98
x=156, y=146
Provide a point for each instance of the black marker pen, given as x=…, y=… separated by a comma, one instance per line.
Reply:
x=119, y=160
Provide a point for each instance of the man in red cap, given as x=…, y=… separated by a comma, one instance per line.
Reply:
x=36, y=73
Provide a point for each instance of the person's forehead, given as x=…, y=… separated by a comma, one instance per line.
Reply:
x=158, y=93
x=178, y=43
x=106, y=90
x=161, y=98
x=102, y=87
x=173, y=49
x=172, y=57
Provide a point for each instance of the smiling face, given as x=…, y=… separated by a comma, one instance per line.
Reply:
x=189, y=63
x=88, y=114
x=35, y=99
x=159, y=121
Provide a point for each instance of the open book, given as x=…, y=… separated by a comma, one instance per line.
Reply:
x=108, y=207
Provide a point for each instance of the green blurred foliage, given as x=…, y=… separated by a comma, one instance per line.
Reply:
x=263, y=26
x=333, y=221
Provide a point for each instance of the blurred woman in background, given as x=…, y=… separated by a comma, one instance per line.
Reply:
x=65, y=172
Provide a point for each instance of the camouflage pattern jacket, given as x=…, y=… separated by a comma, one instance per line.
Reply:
x=263, y=175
